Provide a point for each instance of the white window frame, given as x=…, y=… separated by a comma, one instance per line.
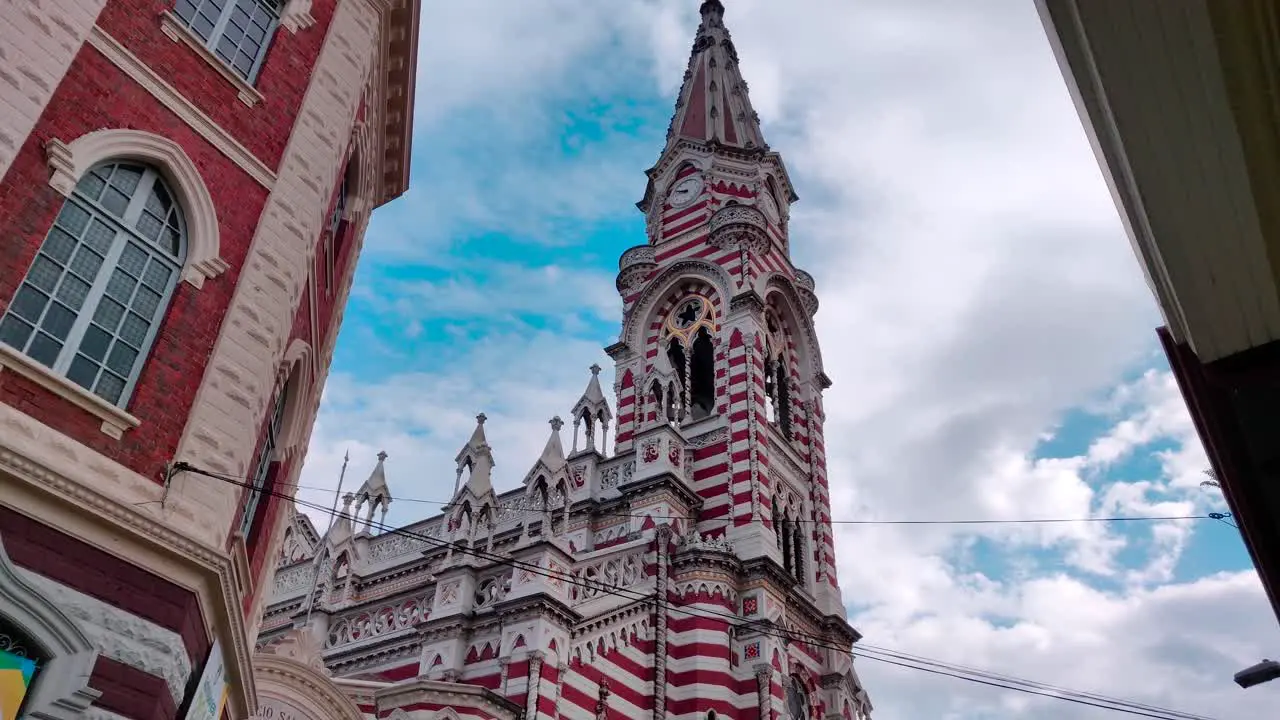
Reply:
x=124, y=234
x=331, y=239
x=270, y=443
x=276, y=7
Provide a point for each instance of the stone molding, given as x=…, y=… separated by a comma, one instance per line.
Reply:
x=68, y=162
x=115, y=421
x=43, y=463
x=61, y=691
x=303, y=685
x=297, y=16
x=177, y=31
x=121, y=635
x=635, y=324
x=179, y=105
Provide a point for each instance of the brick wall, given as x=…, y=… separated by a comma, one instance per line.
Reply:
x=282, y=80
x=95, y=95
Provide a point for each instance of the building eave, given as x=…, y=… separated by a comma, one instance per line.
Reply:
x=400, y=62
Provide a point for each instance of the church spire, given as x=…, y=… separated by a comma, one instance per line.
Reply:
x=713, y=106
x=477, y=458
x=592, y=409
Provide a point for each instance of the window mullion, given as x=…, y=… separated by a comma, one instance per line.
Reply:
x=262, y=51
x=215, y=36
x=133, y=210
x=90, y=304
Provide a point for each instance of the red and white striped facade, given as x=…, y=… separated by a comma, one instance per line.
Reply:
x=687, y=573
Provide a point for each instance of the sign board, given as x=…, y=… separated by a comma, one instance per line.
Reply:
x=16, y=672
x=211, y=693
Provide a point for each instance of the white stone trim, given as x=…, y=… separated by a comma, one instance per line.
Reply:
x=68, y=162
x=115, y=421
x=176, y=31
x=61, y=691
x=98, y=501
x=305, y=687
x=296, y=375
x=121, y=635
x=178, y=103
x=297, y=16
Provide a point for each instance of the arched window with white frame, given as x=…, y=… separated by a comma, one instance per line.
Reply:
x=97, y=290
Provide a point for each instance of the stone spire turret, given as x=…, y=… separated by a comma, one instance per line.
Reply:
x=374, y=494
x=592, y=408
x=476, y=457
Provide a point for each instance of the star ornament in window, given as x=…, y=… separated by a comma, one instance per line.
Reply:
x=689, y=314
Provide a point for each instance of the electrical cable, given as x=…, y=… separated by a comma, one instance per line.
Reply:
x=994, y=521
x=902, y=659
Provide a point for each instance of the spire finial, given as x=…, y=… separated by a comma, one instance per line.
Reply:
x=556, y=423
x=595, y=369
x=382, y=455
x=481, y=418
x=711, y=6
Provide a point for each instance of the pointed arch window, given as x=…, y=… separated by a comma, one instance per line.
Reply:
x=250, y=520
x=777, y=385
x=797, y=700
x=237, y=32
x=689, y=331
x=334, y=231
x=96, y=292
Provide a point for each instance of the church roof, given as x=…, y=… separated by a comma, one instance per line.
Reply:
x=713, y=105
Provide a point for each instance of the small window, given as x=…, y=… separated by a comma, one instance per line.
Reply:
x=262, y=469
x=237, y=31
x=333, y=234
x=99, y=285
x=797, y=700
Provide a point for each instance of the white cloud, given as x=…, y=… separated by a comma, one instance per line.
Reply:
x=975, y=283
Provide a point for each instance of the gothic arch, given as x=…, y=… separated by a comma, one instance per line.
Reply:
x=60, y=690
x=68, y=162
x=295, y=379
x=779, y=289
x=638, y=320
x=303, y=683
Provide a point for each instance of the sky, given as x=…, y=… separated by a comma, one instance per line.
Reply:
x=986, y=326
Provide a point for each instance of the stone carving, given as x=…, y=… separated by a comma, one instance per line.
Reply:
x=295, y=578
x=394, y=545
x=718, y=435
x=738, y=227
x=491, y=591
x=300, y=645
x=695, y=541
x=649, y=451
x=605, y=576
x=390, y=618
x=121, y=635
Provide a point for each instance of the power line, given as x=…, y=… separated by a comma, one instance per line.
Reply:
x=445, y=505
x=900, y=659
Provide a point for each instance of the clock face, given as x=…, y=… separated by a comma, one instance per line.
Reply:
x=685, y=192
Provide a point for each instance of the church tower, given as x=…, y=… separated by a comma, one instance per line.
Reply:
x=718, y=365
x=683, y=571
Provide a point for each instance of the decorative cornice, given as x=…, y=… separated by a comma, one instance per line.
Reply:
x=176, y=102
x=214, y=564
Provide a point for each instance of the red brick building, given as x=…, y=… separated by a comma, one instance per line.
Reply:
x=185, y=186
